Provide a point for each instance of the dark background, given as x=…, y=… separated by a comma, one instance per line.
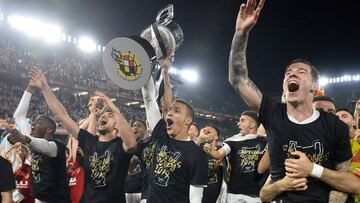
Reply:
x=324, y=32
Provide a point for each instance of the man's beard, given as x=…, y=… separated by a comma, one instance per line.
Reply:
x=103, y=132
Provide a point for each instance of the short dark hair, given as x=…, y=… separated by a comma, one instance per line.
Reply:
x=189, y=109
x=141, y=121
x=216, y=129
x=49, y=122
x=196, y=126
x=346, y=110
x=314, y=72
x=324, y=98
x=253, y=115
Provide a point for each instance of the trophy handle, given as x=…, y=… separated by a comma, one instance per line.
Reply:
x=165, y=15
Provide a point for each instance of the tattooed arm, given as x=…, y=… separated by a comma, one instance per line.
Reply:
x=336, y=196
x=342, y=181
x=238, y=73
x=167, y=99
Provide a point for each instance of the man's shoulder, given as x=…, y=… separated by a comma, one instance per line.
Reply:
x=331, y=120
x=233, y=138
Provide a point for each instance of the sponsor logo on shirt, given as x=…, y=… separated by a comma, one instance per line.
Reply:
x=23, y=184
x=35, y=168
x=167, y=162
x=148, y=154
x=72, y=181
x=249, y=156
x=100, y=166
x=213, y=171
x=314, y=152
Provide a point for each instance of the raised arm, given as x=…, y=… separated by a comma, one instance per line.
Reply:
x=91, y=128
x=22, y=109
x=238, y=72
x=167, y=87
x=153, y=115
x=124, y=129
x=55, y=106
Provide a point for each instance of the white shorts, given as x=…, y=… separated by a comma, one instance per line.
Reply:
x=240, y=198
x=133, y=197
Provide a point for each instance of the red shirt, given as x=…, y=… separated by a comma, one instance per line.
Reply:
x=22, y=179
x=76, y=183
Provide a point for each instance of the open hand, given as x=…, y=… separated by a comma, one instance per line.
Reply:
x=106, y=101
x=298, y=168
x=248, y=15
x=37, y=78
x=92, y=105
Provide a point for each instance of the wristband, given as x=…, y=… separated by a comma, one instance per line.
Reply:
x=317, y=171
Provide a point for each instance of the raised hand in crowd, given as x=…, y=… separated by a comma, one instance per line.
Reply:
x=37, y=78
x=238, y=71
x=107, y=101
x=248, y=15
x=125, y=131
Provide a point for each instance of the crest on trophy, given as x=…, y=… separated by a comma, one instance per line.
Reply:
x=129, y=61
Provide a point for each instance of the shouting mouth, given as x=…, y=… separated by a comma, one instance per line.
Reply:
x=103, y=122
x=293, y=86
x=169, y=123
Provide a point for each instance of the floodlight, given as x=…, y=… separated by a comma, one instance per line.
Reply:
x=189, y=75
x=87, y=44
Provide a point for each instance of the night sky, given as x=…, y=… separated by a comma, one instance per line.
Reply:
x=324, y=32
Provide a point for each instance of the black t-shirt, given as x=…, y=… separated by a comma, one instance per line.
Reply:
x=105, y=165
x=175, y=166
x=244, y=159
x=145, y=151
x=325, y=141
x=7, y=181
x=48, y=178
x=133, y=183
x=215, y=176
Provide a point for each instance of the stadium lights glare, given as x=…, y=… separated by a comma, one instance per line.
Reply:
x=132, y=103
x=86, y=44
x=323, y=81
x=35, y=28
x=189, y=75
x=55, y=89
x=83, y=93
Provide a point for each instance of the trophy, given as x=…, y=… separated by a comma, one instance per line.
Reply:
x=129, y=61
